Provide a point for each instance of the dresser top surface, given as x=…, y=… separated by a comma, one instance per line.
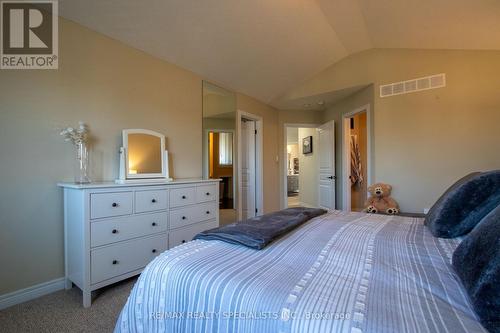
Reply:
x=141, y=183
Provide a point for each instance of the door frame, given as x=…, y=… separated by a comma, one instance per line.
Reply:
x=206, y=167
x=346, y=150
x=259, y=158
x=284, y=169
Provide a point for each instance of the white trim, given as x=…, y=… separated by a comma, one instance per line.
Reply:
x=284, y=170
x=259, y=170
x=346, y=158
x=30, y=293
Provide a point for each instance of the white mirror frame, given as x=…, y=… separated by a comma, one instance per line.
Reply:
x=164, y=162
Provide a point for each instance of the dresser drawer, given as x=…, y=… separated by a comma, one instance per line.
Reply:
x=148, y=201
x=182, y=196
x=193, y=214
x=206, y=211
x=119, y=229
x=110, y=204
x=186, y=234
x=125, y=257
x=206, y=193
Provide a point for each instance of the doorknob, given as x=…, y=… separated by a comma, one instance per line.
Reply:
x=332, y=177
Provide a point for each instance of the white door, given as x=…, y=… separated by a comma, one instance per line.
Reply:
x=326, y=138
x=247, y=168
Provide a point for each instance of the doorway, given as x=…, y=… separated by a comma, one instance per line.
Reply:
x=292, y=167
x=356, y=158
x=250, y=165
x=308, y=173
x=220, y=143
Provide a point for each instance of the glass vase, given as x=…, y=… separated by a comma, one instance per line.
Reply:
x=82, y=164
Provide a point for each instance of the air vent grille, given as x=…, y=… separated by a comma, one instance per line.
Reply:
x=406, y=87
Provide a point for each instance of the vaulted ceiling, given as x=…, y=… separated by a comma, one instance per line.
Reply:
x=264, y=48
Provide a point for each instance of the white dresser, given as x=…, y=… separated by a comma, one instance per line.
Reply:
x=112, y=231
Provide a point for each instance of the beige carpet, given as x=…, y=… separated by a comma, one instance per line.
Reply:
x=62, y=311
x=227, y=216
x=293, y=201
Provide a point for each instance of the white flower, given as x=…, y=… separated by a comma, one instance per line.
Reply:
x=75, y=136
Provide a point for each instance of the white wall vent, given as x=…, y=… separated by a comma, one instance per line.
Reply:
x=406, y=87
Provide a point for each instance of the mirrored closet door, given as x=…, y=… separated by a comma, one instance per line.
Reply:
x=219, y=146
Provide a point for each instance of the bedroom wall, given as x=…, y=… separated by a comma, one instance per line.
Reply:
x=426, y=140
x=110, y=86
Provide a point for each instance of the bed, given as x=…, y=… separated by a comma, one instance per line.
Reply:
x=339, y=272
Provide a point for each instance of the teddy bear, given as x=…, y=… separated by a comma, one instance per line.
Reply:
x=380, y=200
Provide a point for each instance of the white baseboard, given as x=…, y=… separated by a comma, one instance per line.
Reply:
x=27, y=294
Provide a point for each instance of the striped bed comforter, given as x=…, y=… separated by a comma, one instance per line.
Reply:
x=340, y=272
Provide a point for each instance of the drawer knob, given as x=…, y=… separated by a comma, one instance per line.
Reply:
x=154, y=251
x=115, y=262
x=208, y=212
x=183, y=197
x=183, y=217
x=208, y=193
x=153, y=224
x=114, y=231
x=183, y=241
x=153, y=200
x=114, y=204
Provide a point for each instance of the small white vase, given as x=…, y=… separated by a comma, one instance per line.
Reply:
x=82, y=164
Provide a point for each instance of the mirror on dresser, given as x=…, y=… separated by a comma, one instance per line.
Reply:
x=219, y=146
x=143, y=156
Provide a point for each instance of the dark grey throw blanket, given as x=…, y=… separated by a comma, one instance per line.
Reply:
x=259, y=231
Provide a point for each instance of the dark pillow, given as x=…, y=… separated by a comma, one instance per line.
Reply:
x=464, y=204
x=477, y=262
x=446, y=194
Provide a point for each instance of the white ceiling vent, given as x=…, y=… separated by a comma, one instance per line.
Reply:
x=406, y=87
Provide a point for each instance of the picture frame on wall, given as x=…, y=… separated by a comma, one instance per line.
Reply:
x=307, y=145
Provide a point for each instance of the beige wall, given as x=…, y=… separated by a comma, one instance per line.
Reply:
x=219, y=123
x=110, y=86
x=214, y=105
x=308, y=169
x=424, y=141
